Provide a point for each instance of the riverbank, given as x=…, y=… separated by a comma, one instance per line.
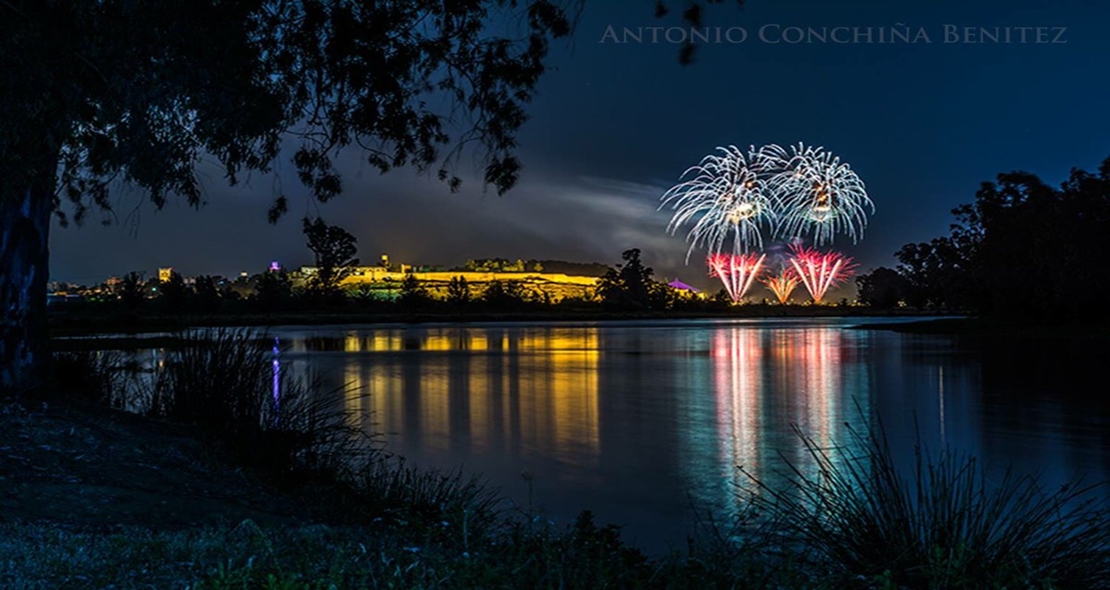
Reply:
x=64, y=324
x=1001, y=328
x=96, y=498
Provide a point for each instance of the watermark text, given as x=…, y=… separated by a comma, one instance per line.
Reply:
x=779, y=34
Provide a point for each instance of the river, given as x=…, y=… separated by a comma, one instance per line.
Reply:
x=646, y=423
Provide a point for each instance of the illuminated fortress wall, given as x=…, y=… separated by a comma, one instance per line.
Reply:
x=557, y=285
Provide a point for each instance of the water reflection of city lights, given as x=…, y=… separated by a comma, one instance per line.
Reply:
x=764, y=382
x=529, y=389
x=737, y=382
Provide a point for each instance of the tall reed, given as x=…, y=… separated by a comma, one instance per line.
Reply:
x=945, y=525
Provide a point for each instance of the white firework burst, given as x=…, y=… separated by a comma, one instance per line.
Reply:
x=816, y=195
x=726, y=201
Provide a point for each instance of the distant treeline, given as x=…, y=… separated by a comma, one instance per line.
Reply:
x=1023, y=249
x=626, y=287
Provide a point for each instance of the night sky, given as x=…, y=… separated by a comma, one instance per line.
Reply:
x=616, y=124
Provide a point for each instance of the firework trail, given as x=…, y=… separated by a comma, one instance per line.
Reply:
x=783, y=284
x=725, y=201
x=736, y=271
x=815, y=194
x=820, y=271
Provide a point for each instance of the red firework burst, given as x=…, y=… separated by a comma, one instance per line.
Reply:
x=782, y=284
x=736, y=271
x=819, y=271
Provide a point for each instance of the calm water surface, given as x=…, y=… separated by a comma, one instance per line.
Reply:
x=646, y=422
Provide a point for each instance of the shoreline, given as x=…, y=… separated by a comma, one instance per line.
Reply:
x=67, y=325
x=992, y=328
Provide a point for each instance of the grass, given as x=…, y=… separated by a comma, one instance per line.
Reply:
x=861, y=520
x=226, y=381
x=585, y=557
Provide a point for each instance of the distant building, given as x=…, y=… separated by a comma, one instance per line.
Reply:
x=677, y=284
x=387, y=278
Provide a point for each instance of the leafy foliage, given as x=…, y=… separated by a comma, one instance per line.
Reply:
x=458, y=291
x=207, y=294
x=273, y=291
x=692, y=15
x=505, y=294
x=139, y=91
x=173, y=292
x=1022, y=248
x=413, y=294
x=630, y=285
x=335, y=251
x=882, y=287
x=131, y=290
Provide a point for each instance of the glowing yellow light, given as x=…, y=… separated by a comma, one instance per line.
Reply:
x=741, y=212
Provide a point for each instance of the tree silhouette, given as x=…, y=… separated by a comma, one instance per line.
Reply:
x=882, y=287
x=504, y=294
x=207, y=294
x=100, y=91
x=131, y=290
x=335, y=251
x=1022, y=249
x=273, y=291
x=458, y=291
x=173, y=292
x=139, y=91
x=413, y=294
x=630, y=285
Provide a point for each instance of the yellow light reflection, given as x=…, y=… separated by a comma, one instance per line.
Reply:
x=533, y=389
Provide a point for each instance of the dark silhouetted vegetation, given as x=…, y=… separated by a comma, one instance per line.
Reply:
x=207, y=294
x=630, y=285
x=334, y=249
x=1022, y=249
x=944, y=523
x=413, y=295
x=274, y=291
x=458, y=292
x=131, y=290
x=143, y=89
x=883, y=288
x=508, y=295
x=225, y=382
x=174, y=294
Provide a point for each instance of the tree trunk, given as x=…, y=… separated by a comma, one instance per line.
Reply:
x=24, y=266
